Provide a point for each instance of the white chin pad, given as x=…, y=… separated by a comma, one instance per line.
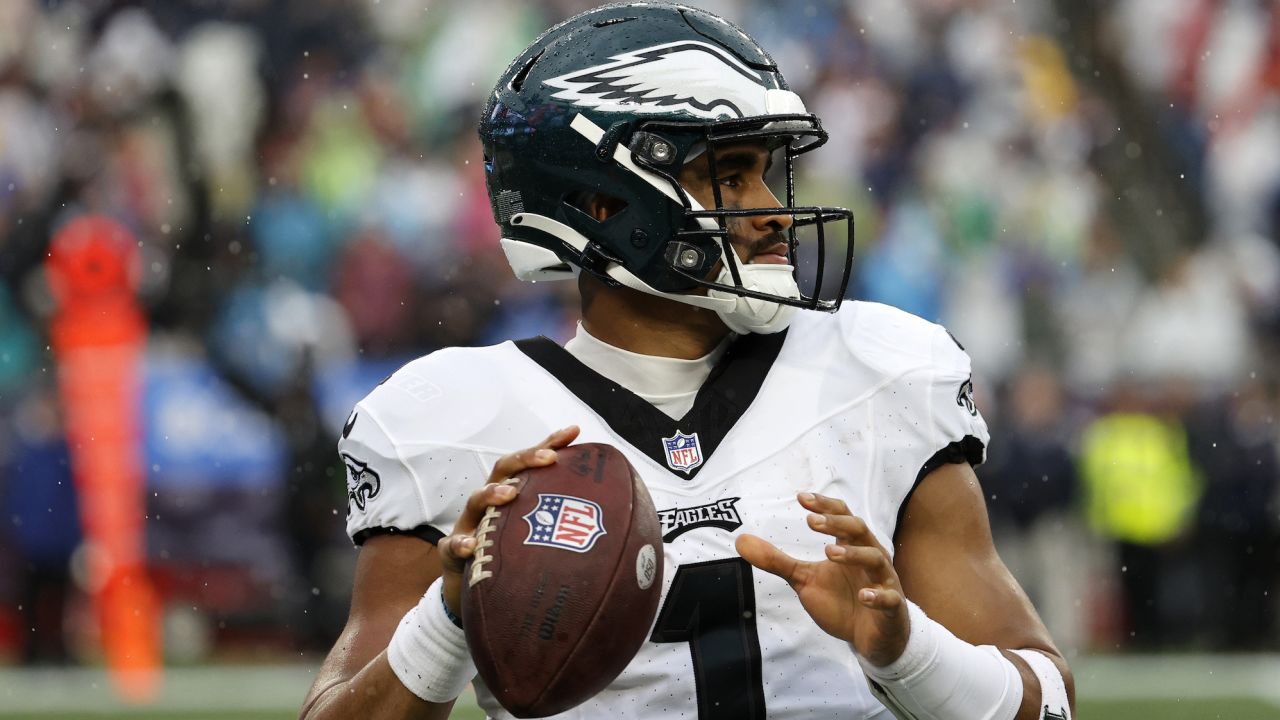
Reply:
x=750, y=315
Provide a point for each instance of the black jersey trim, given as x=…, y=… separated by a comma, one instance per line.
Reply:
x=727, y=393
x=422, y=532
x=968, y=449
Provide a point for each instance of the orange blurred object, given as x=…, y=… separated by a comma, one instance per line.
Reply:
x=99, y=333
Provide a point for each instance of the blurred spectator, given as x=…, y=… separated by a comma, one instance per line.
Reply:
x=1031, y=486
x=1141, y=492
x=1234, y=445
x=1096, y=313
x=38, y=502
x=1192, y=325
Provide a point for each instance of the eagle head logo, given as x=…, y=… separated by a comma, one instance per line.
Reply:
x=695, y=77
x=363, y=482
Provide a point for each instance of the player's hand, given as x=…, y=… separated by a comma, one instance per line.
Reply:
x=457, y=548
x=854, y=594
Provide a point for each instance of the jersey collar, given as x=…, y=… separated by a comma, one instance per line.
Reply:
x=669, y=384
x=727, y=393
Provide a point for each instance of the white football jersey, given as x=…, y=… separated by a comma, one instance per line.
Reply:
x=859, y=405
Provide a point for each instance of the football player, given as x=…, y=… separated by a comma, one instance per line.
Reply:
x=826, y=543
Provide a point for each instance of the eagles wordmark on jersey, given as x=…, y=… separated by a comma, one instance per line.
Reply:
x=858, y=405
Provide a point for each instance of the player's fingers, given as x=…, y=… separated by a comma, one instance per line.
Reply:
x=886, y=600
x=513, y=463
x=847, y=529
x=561, y=437
x=823, y=504
x=764, y=555
x=490, y=495
x=874, y=561
x=539, y=455
x=454, y=551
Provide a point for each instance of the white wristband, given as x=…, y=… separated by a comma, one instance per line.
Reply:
x=429, y=653
x=1054, y=704
x=941, y=677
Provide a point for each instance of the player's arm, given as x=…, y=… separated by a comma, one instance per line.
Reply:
x=399, y=610
x=957, y=665
x=392, y=573
x=948, y=565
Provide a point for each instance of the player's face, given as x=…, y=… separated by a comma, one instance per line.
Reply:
x=741, y=172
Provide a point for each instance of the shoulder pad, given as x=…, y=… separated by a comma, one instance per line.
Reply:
x=445, y=398
x=887, y=338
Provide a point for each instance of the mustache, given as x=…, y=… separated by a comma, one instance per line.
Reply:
x=768, y=241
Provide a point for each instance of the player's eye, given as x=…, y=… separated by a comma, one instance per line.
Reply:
x=732, y=181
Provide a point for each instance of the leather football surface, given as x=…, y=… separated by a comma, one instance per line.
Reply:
x=564, y=584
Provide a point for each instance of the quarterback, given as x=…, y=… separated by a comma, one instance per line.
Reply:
x=827, y=550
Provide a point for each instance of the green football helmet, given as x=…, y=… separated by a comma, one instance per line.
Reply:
x=614, y=102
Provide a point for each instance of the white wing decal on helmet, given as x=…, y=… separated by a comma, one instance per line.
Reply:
x=696, y=77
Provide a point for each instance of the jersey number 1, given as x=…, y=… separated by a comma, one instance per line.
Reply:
x=712, y=606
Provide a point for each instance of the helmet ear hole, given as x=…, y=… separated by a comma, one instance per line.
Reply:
x=517, y=82
x=596, y=205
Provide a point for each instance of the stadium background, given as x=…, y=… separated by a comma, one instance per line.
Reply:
x=1086, y=193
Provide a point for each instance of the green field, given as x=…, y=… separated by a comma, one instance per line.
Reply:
x=1179, y=710
x=1167, y=687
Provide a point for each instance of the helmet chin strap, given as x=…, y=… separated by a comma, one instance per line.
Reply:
x=750, y=315
x=740, y=314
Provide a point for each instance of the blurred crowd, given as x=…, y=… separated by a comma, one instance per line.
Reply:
x=1086, y=194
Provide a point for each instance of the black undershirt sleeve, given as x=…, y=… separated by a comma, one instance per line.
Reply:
x=422, y=532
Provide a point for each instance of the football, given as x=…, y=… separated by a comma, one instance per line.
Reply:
x=564, y=583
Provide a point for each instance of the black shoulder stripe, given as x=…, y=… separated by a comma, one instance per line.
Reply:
x=422, y=532
x=968, y=449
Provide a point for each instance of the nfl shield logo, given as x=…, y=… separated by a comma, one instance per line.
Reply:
x=565, y=522
x=683, y=451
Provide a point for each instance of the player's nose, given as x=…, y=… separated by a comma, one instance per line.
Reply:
x=770, y=222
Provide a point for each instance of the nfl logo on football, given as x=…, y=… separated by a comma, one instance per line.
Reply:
x=683, y=451
x=565, y=522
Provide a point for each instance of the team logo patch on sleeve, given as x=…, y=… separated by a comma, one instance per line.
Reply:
x=565, y=522
x=363, y=482
x=684, y=453
x=964, y=398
